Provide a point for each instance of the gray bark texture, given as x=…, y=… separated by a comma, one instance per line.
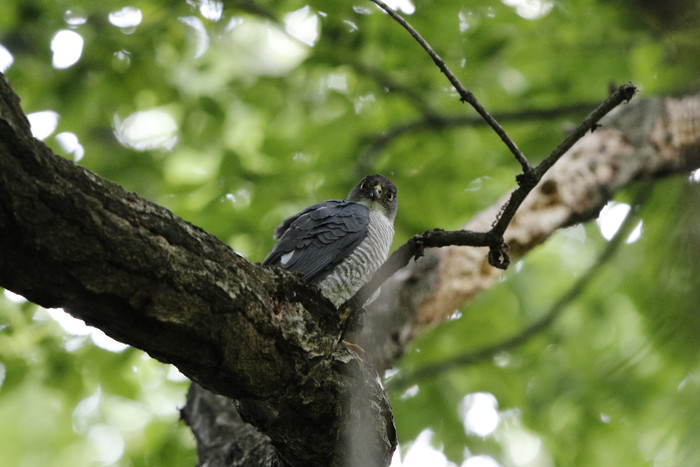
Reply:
x=71, y=239
x=272, y=385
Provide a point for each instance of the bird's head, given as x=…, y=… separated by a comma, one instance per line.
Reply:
x=378, y=193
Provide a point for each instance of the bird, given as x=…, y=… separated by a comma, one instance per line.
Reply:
x=338, y=244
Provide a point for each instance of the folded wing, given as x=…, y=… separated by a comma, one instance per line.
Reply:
x=315, y=240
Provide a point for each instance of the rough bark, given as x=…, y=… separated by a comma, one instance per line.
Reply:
x=71, y=239
x=223, y=438
x=646, y=139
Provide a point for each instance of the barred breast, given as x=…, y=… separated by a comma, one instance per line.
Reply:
x=358, y=267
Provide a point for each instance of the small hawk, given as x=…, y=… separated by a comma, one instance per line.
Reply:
x=339, y=244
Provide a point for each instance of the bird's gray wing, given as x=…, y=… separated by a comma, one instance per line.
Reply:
x=319, y=237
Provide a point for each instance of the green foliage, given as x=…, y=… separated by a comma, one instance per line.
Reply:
x=72, y=403
x=240, y=125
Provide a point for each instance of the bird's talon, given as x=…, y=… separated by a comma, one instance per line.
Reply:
x=359, y=350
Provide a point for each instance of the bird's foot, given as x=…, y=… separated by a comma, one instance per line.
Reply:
x=358, y=350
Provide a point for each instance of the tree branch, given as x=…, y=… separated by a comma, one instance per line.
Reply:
x=71, y=239
x=232, y=438
x=464, y=94
x=435, y=369
x=647, y=138
x=493, y=238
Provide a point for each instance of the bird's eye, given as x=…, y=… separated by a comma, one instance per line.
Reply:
x=363, y=185
x=389, y=196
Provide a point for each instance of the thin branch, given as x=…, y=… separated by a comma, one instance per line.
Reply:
x=538, y=326
x=413, y=248
x=526, y=182
x=498, y=250
x=622, y=94
x=464, y=94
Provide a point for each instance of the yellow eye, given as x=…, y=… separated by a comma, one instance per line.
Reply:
x=389, y=196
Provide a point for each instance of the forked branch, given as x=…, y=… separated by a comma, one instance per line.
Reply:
x=527, y=181
x=536, y=327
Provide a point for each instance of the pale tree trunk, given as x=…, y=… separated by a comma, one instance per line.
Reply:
x=281, y=390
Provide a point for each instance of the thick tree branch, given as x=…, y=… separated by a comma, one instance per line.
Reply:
x=231, y=439
x=71, y=239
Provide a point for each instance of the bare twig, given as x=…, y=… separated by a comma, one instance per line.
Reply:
x=498, y=250
x=498, y=254
x=435, y=369
x=622, y=94
x=526, y=182
x=464, y=94
x=413, y=248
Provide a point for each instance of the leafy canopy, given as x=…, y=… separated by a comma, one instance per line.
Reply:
x=236, y=114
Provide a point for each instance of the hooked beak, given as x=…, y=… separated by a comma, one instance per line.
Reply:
x=376, y=193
